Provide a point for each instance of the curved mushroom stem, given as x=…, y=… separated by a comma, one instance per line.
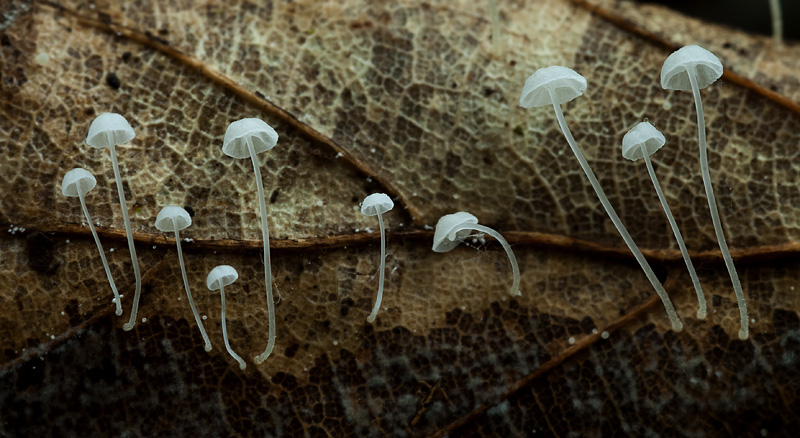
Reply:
x=267, y=266
x=377, y=306
x=514, y=291
x=238, y=358
x=712, y=206
x=701, y=299
x=102, y=253
x=677, y=325
x=135, y=260
x=186, y=285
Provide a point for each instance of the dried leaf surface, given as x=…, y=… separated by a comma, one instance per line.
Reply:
x=411, y=99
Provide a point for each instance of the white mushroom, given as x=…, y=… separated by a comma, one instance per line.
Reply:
x=377, y=204
x=218, y=278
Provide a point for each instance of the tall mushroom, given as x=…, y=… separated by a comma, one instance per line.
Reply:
x=377, y=204
x=555, y=85
x=246, y=138
x=639, y=143
x=76, y=183
x=109, y=130
x=694, y=68
x=173, y=219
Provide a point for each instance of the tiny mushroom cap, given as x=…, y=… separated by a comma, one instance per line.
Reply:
x=261, y=136
x=675, y=71
x=221, y=275
x=376, y=204
x=109, y=125
x=642, y=134
x=444, y=239
x=77, y=181
x=562, y=82
x=170, y=212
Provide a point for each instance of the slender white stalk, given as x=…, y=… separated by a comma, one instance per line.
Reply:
x=514, y=291
x=377, y=306
x=712, y=206
x=777, y=22
x=701, y=299
x=102, y=253
x=677, y=325
x=267, y=267
x=129, y=232
x=495, y=15
x=186, y=285
x=238, y=358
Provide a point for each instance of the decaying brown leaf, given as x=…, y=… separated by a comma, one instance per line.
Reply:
x=412, y=99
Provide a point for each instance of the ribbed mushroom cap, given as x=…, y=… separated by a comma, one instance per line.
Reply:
x=375, y=204
x=77, y=181
x=261, y=135
x=165, y=216
x=119, y=128
x=565, y=83
x=221, y=274
x=674, y=72
x=642, y=133
x=444, y=239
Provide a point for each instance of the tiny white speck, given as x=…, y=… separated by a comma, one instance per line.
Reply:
x=427, y=227
x=604, y=335
x=111, y=250
x=357, y=230
x=67, y=240
x=144, y=319
x=52, y=336
x=204, y=317
x=42, y=58
x=763, y=432
x=463, y=307
x=594, y=331
x=372, y=150
x=571, y=341
x=335, y=343
x=752, y=320
x=339, y=155
x=62, y=312
x=154, y=247
x=455, y=196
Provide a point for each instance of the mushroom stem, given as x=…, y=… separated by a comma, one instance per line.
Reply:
x=514, y=291
x=238, y=358
x=777, y=22
x=648, y=271
x=267, y=267
x=134, y=259
x=377, y=306
x=102, y=254
x=712, y=206
x=701, y=311
x=186, y=285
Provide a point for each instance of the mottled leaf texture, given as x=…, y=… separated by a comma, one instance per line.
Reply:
x=412, y=99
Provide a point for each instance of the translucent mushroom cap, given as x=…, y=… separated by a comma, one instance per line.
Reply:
x=165, y=216
x=564, y=82
x=109, y=123
x=222, y=274
x=375, y=204
x=77, y=181
x=261, y=135
x=444, y=238
x=674, y=72
x=642, y=134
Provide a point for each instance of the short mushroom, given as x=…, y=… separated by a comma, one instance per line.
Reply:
x=173, y=219
x=694, y=68
x=76, y=183
x=640, y=142
x=555, y=85
x=377, y=204
x=246, y=138
x=218, y=278
x=452, y=229
x=109, y=130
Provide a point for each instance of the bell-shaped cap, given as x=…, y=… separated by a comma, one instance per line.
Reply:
x=445, y=238
x=564, y=83
x=261, y=135
x=109, y=125
x=221, y=275
x=642, y=134
x=77, y=181
x=675, y=71
x=375, y=204
x=170, y=212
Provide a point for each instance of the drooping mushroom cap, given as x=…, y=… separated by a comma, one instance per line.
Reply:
x=565, y=83
x=674, y=72
x=77, y=181
x=642, y=134
x=261, y=135
x=119, y=128
x=375, y=204
x=165, y=216
x=223, y=274
x=444, y=238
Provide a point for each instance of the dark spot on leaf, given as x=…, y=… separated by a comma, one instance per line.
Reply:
x=274, y=196
x=189, y=210
x=126, y=56
x=41, y=257
x=291, y=350
x=113, y=81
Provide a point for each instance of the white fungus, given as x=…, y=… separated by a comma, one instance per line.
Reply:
x=377, y=204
